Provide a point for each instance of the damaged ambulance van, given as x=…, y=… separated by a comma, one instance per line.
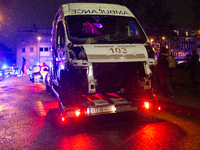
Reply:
x=100, y=58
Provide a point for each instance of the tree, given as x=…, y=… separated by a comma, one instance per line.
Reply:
x=196, y=10
x=156, y=18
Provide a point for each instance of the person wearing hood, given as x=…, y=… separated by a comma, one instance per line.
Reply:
x=165, y=72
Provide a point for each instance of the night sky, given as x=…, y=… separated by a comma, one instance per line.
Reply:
x=182, y=12
x=26, y=13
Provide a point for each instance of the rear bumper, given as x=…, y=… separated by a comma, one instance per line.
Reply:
x=69, y=115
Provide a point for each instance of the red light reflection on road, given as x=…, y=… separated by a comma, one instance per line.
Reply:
x=51, y=105
x=156, y=136
x=36, y=88
x=79, y=142
x=39, y=121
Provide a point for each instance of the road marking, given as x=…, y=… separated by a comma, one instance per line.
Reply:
x=40, y=109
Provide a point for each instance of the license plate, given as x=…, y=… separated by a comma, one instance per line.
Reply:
x=99, y=110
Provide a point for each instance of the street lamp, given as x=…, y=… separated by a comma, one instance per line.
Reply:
x=39, y=38
x=162, y=43
x=151, y=41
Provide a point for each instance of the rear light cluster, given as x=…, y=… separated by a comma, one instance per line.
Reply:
x=76, y=113
x=63, y=119
x=147, y=105
x=72, y=114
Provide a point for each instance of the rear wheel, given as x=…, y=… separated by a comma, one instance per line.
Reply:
x=48, y=88
x=48, y=85
x=66, y=90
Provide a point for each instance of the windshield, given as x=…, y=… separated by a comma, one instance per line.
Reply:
x=103, y=29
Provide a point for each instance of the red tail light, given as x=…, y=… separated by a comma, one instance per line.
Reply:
x=77, y=112
x=63, y=119
x=146, y=105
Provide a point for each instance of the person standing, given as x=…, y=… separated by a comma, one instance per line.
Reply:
x=44, y=71
x=36, y=74
x=15, y=68
x=194, y=66
x=165, y=72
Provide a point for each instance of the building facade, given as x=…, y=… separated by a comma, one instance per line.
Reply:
x=180, y=44
x=34, y=44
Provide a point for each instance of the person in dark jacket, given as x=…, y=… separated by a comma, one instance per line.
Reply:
x=165, y=72
x=194, y=66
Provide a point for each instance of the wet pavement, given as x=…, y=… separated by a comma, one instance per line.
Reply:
x=186, y=98
x=27, y=114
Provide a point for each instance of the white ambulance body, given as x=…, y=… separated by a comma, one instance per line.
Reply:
x=100, y=60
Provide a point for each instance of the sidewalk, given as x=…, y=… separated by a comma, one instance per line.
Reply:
x=184, y=94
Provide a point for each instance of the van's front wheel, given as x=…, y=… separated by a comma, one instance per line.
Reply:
x=66, y=92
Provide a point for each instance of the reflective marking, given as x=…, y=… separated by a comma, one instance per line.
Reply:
x=100, y=102
x=40, y=109
x=115, y=56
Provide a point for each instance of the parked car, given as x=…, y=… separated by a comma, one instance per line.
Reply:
x=2, y=74
x=8, y=71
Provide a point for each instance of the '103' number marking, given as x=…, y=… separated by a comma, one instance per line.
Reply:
x=118, y=50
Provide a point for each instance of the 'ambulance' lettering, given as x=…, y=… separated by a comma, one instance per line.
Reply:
x=80, y=11
x=73, y=11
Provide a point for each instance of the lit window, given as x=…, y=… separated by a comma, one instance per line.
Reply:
x=23, y=50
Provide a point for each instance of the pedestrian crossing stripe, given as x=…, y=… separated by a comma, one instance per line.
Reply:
x=40, y=109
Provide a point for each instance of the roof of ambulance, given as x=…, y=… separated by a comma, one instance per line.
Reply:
x=94, y=9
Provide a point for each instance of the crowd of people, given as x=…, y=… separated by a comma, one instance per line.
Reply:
x=39, y=71
x=36, y=72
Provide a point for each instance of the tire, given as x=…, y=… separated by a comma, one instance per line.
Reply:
x=63, y=90
x=48, y=87
x=66, y=90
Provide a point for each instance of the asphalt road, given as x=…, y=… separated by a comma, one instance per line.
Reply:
x=28, y=116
